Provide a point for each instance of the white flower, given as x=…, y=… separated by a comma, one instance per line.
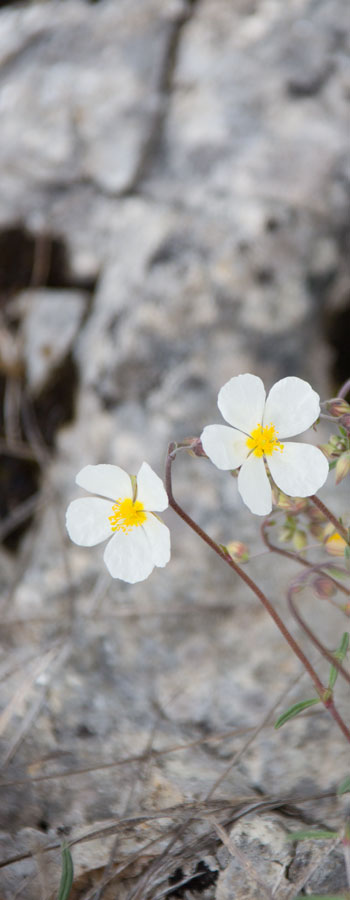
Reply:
x=139, y=540
x=259, y=426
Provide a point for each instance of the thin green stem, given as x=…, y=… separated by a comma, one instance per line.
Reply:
x=225, y=556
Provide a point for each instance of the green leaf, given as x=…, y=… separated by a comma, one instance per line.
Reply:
x=305, y=834
x=333, y=464
x=343, y=645
x=342, y=430
x=324, y=897
x=344, y=787
x=339, y=654
x=295, y=710
x=66, y=875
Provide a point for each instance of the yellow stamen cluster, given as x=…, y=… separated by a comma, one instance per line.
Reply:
x=263, y=440
x=127, y=514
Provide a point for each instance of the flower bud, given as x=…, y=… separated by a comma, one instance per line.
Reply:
x=194, y=446
x=324, y=587
x=342, y=468
x=345, y=421
x=327, y=449
x=337, y=407
x=299, y=540
x=335, y=544
x=291, y=504
x=238, y=551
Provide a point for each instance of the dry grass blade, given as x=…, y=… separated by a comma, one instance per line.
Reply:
x=25, y=688
x=29, y=719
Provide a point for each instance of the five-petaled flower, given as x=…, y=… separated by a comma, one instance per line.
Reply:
x=139, y=540
x=259, y=428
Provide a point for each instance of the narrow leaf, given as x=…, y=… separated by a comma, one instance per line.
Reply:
x=323, y=897
x=66, y=875
x=340, y=655
x=295, y=710
x=305, y=834
x=344, y=787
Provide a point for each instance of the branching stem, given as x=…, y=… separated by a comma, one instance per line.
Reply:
x=301, y=559
x=225, y=556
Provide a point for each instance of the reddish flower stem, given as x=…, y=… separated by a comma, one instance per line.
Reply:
x=308, y=631
x=331, y=518
x=344, y=390
x=224, y=555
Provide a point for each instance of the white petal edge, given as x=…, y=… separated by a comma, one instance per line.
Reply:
x=87, y=521
x=128, y=557
x=225, y=446
x=254, y=486
x=105, y=480
x=150, y=489
x=158, y=535
x=299, y=470
x=292, y=406
x=241, y=402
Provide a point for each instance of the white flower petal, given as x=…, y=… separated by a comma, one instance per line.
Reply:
x=128, y=557
x=106, y=480
x=225, y=446
x=292, y=406
x=150, y=489
x=158, y=535
x=241, y=402
x=299, y=470
x=254, y=486
x=87, y=521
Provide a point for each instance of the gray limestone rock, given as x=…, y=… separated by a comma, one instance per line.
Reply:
x=192, y=160
x=51, y=321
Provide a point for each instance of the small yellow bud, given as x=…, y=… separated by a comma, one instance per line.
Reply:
x=335, y=544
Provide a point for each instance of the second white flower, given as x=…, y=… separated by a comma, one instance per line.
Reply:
x=259, y=427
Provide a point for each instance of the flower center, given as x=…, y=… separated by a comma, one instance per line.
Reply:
x=263, y=440
x=127, y=514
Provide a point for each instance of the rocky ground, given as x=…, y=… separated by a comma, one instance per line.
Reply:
x=174, y=210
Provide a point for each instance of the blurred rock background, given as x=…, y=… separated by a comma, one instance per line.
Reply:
x=174, y=210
